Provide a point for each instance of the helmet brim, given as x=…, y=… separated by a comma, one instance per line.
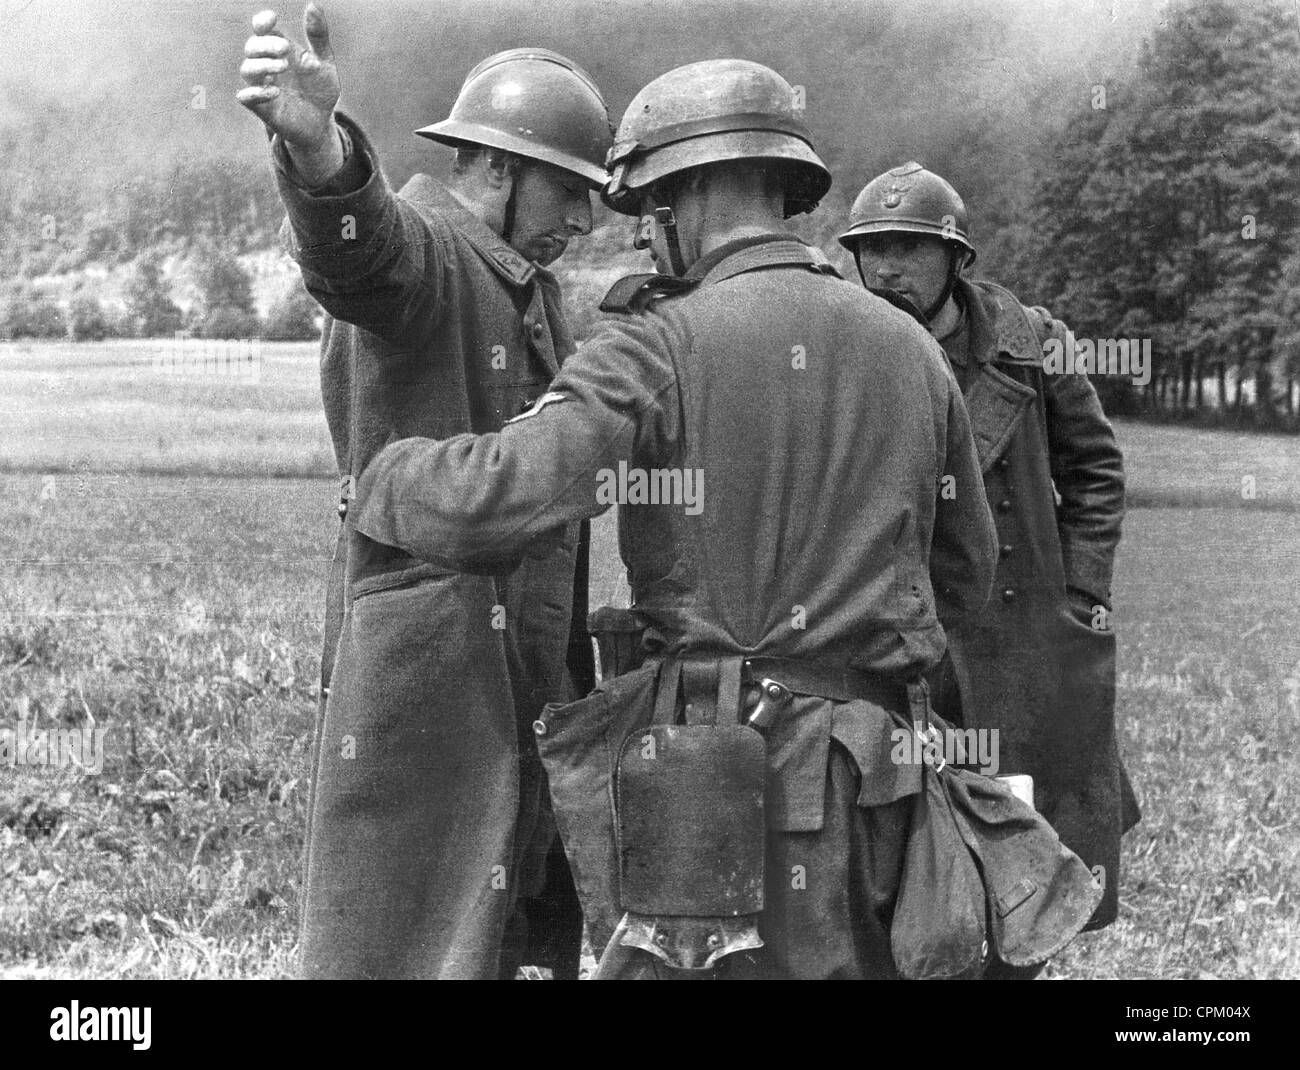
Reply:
x=456, y=133
x=756, y=145
x=850, y=238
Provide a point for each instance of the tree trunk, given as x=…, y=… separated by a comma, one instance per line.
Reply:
x=1221, y=374
x=1200, y=385
x=1187, y=383
x=1236, y=401
x=1265, y=414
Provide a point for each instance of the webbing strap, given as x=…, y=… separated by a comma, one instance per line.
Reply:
x=710, y=688
x=729, y=690
x=666, y=695
x=700, y=688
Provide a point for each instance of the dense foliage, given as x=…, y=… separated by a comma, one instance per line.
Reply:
x=1162, y=209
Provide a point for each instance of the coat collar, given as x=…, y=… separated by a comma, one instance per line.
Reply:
x=428, y=194
x=999, y=325
x=752, y=254
x=999, y=328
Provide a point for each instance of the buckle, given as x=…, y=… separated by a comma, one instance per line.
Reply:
x=773, y=699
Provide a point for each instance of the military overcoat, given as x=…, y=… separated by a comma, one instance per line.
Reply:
x=428, y=813
x=1031, y=664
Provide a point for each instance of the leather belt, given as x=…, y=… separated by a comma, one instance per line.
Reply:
x=838, y=683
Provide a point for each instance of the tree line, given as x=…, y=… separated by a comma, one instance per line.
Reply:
x=1159, y=205
x=1169, y=212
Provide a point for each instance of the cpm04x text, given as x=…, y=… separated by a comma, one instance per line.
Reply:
x=1186, y=1012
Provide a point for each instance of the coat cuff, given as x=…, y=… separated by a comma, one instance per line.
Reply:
x=1088, y=570
x=317, y=215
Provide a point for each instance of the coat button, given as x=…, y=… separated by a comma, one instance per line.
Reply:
x=1006, y=549
x=1004, y=506
x=538, y=330
x=525, y=405
x=539, y=727
x=1008, y=595
x=1003, y=463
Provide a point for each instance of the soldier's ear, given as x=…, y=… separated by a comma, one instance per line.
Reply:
x=501, y=166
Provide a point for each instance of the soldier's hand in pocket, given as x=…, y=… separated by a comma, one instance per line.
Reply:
x=1085, y=607
x=293, y=90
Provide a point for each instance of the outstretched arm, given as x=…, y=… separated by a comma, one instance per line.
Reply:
x=366, y=255
x=455, y=500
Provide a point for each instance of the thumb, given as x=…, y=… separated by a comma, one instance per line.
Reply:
x=318, y=32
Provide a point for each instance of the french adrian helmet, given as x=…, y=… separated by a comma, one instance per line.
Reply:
x=911, y=200
x=534, y=103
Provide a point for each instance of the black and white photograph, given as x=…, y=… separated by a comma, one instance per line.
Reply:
x=651, y=490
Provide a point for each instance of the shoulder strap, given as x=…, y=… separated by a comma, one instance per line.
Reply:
x=634, y=292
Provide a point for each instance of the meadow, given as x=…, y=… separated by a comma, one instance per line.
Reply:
x=165, y=546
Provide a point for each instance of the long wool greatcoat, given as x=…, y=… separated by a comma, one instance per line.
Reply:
x=1029, y=664
x=429, y=815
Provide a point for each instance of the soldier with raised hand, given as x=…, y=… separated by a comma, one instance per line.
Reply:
x=1038, y=662
x=430, y=843
x=800, y=594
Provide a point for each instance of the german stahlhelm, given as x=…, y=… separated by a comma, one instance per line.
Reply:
x=710, y=112
x=536, y=104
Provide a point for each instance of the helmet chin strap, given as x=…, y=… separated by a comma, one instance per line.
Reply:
x=950, y=281
x=508, y=216
x=666, y=221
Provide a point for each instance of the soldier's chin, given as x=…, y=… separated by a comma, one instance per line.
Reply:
x=547, y=250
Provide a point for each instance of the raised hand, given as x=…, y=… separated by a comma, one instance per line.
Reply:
x=292, y=89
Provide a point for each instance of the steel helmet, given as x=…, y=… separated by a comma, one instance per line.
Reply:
x=707, y=112
x=534, y=103
x=911, y=200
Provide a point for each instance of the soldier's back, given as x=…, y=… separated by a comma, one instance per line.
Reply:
x=816, y=414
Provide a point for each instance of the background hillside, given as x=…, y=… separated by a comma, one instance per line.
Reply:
x=1129, y=164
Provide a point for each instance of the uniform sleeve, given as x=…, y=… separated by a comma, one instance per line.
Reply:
x=963, y=553
x=454, y=500
x=366, y=255
x=1088, y=470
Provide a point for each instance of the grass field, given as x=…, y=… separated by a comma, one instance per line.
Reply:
x=159, y=583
